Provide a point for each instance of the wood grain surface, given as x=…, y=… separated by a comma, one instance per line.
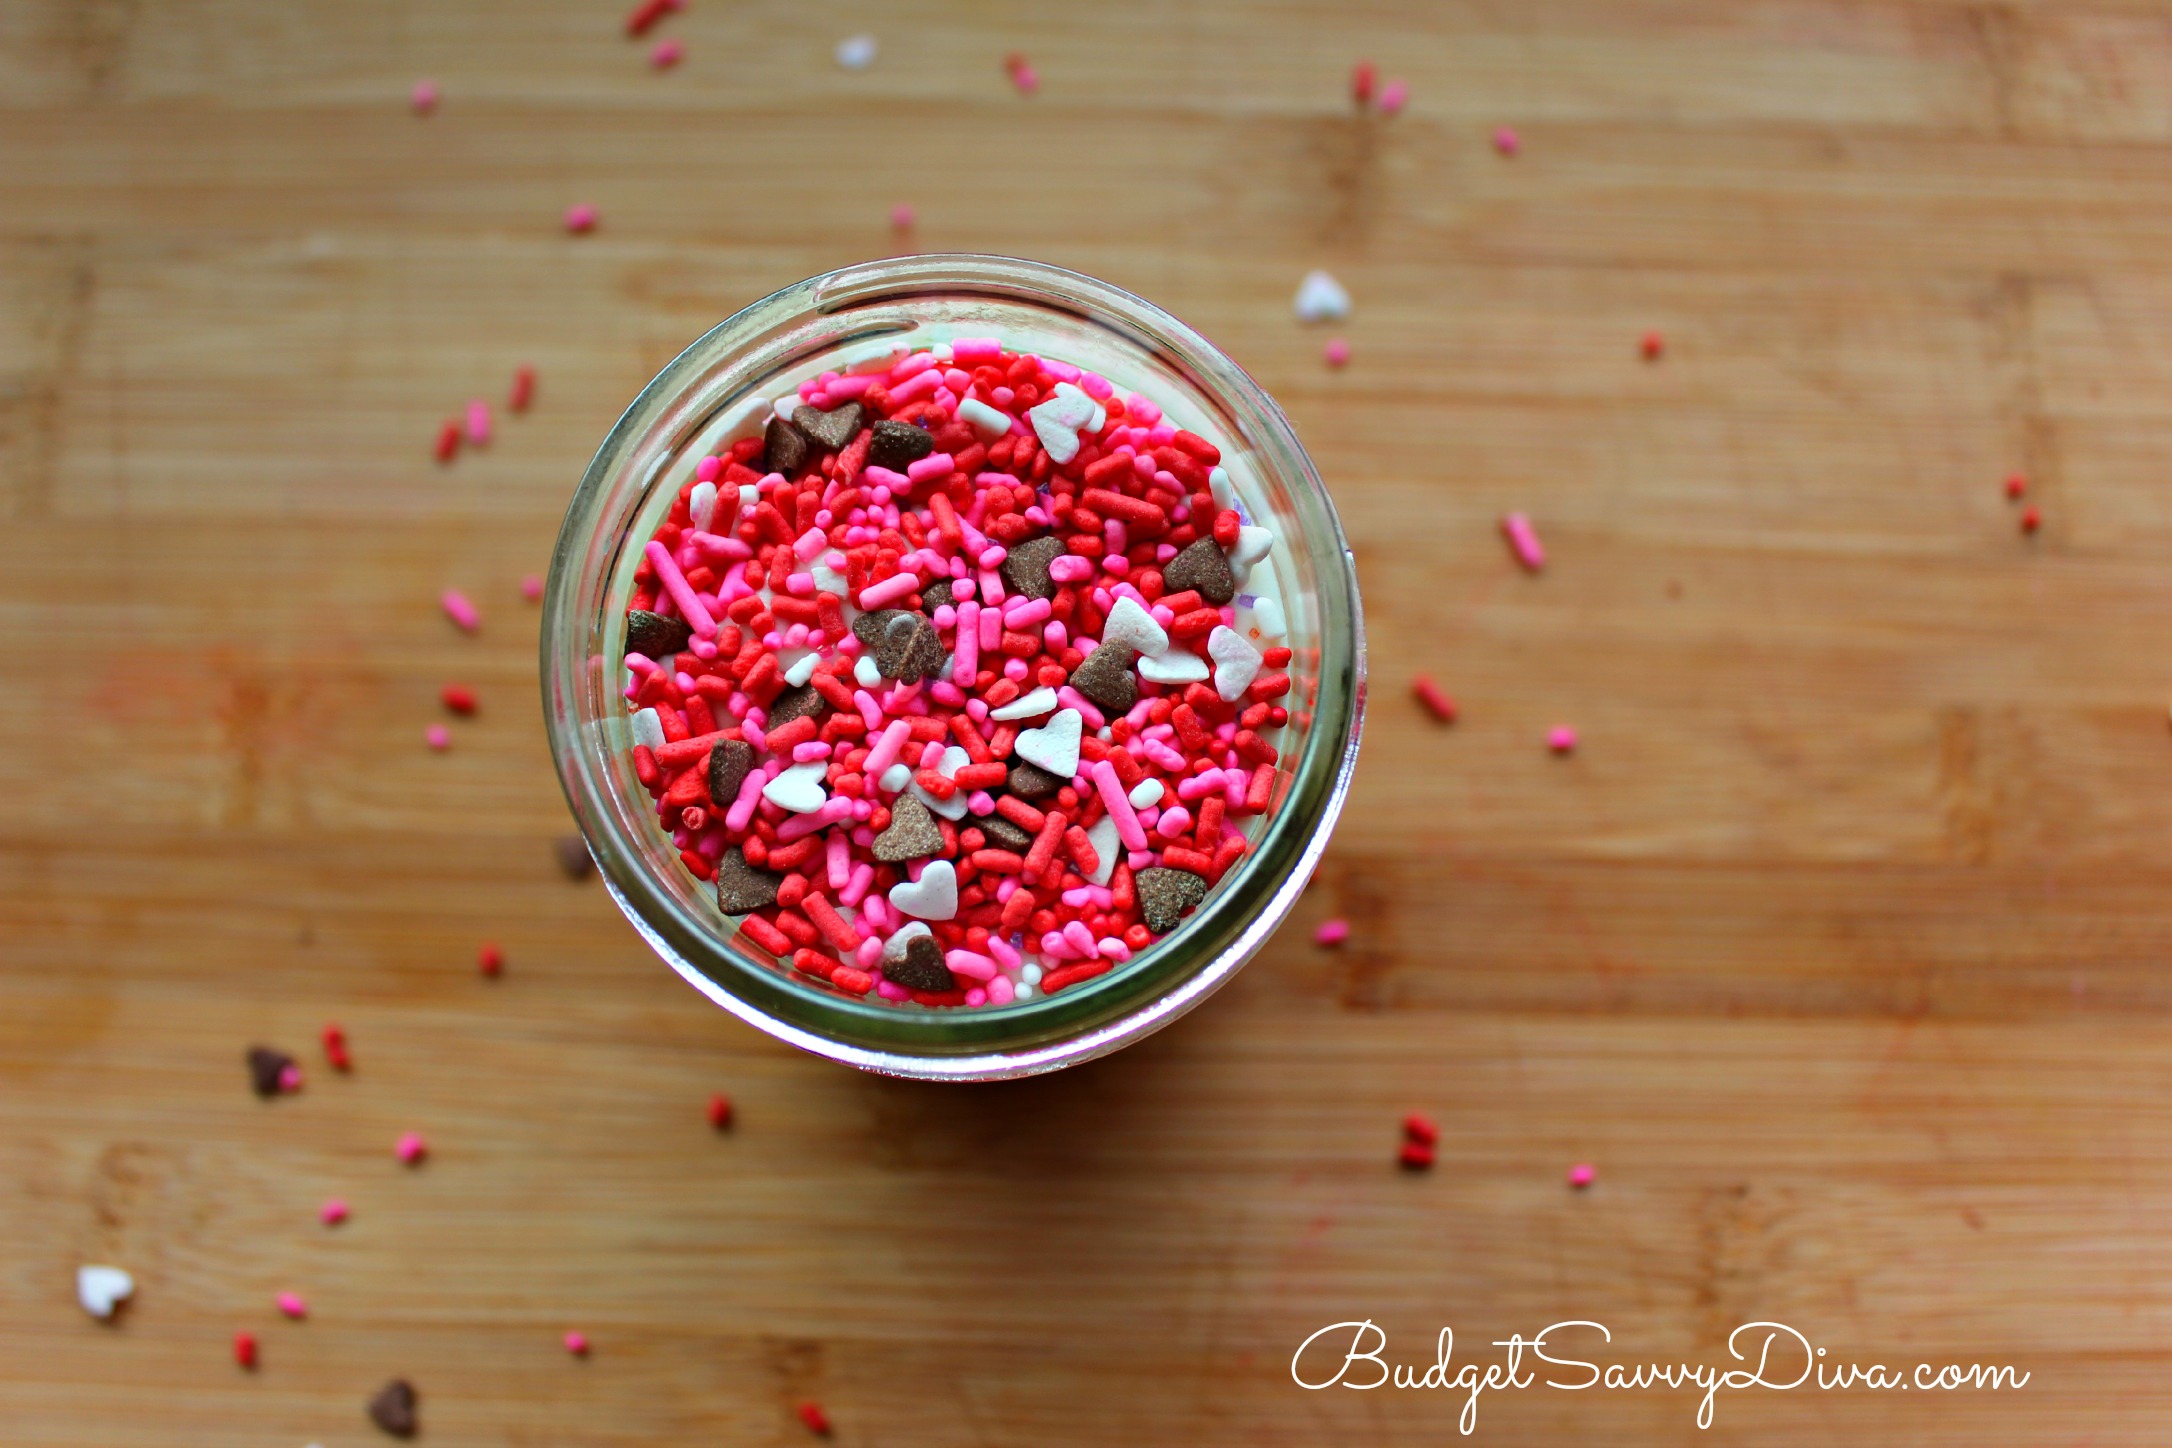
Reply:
x=1839, y=946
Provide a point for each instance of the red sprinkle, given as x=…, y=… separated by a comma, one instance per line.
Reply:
x=245, y=1349
x=448, y=441
x=644, y=16
x=1415, y=1156
x=2031, y=519
x=523, y=391
x=490, y=960
x=1361, y=82
x=458, y=698
x=1654, y=345
x=720, y=1111
x=1438, y=704
x=335, y=1047
x=817, y=1421
x=1419, y=1127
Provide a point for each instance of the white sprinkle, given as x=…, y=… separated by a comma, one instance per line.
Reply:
x=701, y=504
x=102, y=1289
x=1146, y=794
x=867, y=671
x=1267, y=617
x=895, y=778
x=1172, y=667
x=1040, y=701
x=934, y=896
x=1128, y=623
x=1107, y=845
x=648, y=729
x=799, y=788
x=802, y=668
x=987, y=421
x=1236, y=662
x=1225, y=496
x=1054, y=746
x=856, y=52
x=953, y=808
x=1320, y=298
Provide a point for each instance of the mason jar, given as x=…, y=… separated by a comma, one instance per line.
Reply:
x=720, y=388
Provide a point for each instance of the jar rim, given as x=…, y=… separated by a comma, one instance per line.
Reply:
x=738, y=359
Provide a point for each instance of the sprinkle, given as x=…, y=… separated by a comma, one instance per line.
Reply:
x=720, y=1111
x=1524, y=539
x=291, y=1304
x=1436, y=703
x=523, y=391
x=576, y=1343
x=478, y=422
x=102, y=1290
x=1419, y=1127
x=458, y=698
x=571, y=852
x=1392, y=96
x=459, y=610
x=667, y=54
x=438, y=737
x=1506, y=141
x=1022, y=73
x=1320, y=298
x=423, y=97
x=1415, y=1156
x=448, y=441
x=1338, y=352
x=2031, y=519
x=1331, y=932
x=393, y=1409
x=817, y=1421
x=581, y=218
x=1653, y=345
x=268, y=1070
x=2016, y=485
x=902, y=217
x=335, y=1047
x=1582, y=1175
x=333, y=1212
x=856, y=52
x=489, y=959
x=1361, y=83
x=412, y=1148
x=1561, y=739
x=531, y=587
x=245, y=1349
x=644, y=15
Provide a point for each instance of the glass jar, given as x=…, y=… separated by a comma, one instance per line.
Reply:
x=719, y=389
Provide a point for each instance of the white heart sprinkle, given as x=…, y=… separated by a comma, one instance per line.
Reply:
x=1320, y=298
x=1147, y=793
x=1031, y=706
x=1173, y=667
x=893, y=949
x=1130, y=624
x=1267, y=617
x=1253, y=544
x=953, y=808
x=1103, y=837
x=1057, y=421
x=934, y=896
x=1236, y=662
x=101, y=1289
x=648, y=729
x=799, y=788
x=1053, y=746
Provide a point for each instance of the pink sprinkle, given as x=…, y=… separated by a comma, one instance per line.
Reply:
x=290, y=1079
x=333, y=1212
x=1525, y=540
x=1561, y=739
x=531, y=588
x=1582, y=1175
x=292, y=1305
x=1392, y=96
x=437, y=737
x=423, y=97
x=460, y=611
x=1026, y=78
x=581, y=219
x=901, y=217
x=1506, y=141
x=577, y=1343
x=1338, y=352
x=667, y=54
x=1331, y=932
x=412, y=1148
x=478, y=422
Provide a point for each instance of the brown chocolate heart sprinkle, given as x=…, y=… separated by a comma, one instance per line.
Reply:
x=394, y=1408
